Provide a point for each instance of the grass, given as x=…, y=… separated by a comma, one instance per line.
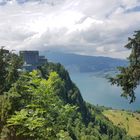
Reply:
x=124, y=119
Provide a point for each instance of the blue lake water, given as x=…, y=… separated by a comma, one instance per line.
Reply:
x=97, y=90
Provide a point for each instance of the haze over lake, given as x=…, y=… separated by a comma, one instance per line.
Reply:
x=97, y=90
x=88, y=73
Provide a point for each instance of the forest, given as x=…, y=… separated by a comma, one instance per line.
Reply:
x=45, y=104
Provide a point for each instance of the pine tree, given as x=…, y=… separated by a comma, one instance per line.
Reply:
x=129, y=77
x=9, y=65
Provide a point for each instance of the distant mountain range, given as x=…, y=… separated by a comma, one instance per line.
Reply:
x=82, y=63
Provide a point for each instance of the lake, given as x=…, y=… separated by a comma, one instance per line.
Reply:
x=97, y=90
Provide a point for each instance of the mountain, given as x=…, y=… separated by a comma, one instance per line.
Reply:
x=82, y=63
x=46, y=105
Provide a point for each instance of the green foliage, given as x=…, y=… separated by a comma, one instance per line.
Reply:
x=9, y=65
x=46, y=105
x=62, y=135
x=9, y=74
x=129, y=77
x=44, y=115
x=125, y=119
x=71, y=94
x=3, y=66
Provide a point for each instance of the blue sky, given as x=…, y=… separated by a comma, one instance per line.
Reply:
x=88, y=27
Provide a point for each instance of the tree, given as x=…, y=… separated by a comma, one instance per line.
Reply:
x=9, y=65
x=3, y=72
x=9, y=74
x=42, y=115
x=129, y=77
x=46, y=105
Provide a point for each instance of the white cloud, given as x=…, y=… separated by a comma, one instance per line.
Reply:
x=83, y=26
x=130, y=3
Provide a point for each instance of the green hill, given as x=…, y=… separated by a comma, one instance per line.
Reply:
x=128, y=120
x=46, y=105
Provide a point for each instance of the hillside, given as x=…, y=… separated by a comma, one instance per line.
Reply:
x=81, y=63
x=46, y=105
x=124, y=119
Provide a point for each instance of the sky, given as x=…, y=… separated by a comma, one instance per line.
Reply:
x=87, y=27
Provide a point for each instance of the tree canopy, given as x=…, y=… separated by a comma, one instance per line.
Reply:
x=46, y=105
x=9, y=65
x=129, y=77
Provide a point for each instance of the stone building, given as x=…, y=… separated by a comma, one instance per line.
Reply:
x=32, y=59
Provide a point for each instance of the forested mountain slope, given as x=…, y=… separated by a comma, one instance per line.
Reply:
x=82, y=63
x=46, y=105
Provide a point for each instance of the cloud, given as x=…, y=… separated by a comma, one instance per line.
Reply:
x=83, y=26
